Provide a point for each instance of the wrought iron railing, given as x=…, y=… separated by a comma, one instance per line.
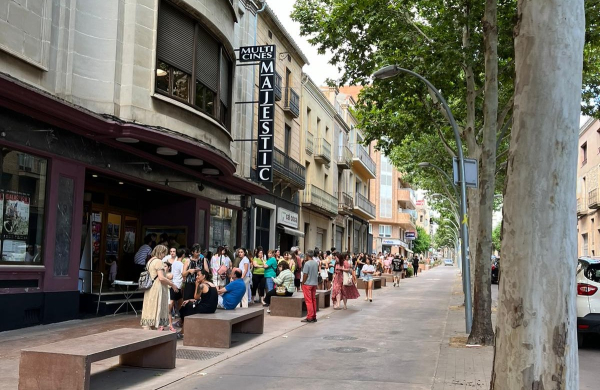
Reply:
x=323, y=149
x=292, y=101
x=361, y=154
x=288, y=168
x=310, y=143
x=316, y=197
x=364, y=204
x=593, y=198
x=344, y=156
x=345, y=202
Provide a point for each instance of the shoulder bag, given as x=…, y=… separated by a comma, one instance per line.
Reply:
x=348, y=279
x=145, y=281
x=222, y=271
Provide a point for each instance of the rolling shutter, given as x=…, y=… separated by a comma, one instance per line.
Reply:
x=175, y=40
x=207, y=60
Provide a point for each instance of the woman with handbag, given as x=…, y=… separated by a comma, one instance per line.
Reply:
x=285, y=284
x=220, y=264
x=343, y=282
x=155, y=310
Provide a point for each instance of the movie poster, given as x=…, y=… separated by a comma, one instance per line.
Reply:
x=96, y=231
x=15, y=223
x=1, y=211
x=129, y=244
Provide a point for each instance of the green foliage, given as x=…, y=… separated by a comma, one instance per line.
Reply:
x=423, y=242
x=409, y=272
x=496, y=237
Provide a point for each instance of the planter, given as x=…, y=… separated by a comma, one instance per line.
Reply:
x=421, y=267
x=426, y=267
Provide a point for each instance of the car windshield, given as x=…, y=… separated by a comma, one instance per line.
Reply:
x=590, y=270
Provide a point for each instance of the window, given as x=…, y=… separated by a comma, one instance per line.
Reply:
x=385, y=230
x=22, y=198
x=192, y=66
x=584, y=246
x=370, y=229
x=584, y=153
x=223, y=223
x=385, y=188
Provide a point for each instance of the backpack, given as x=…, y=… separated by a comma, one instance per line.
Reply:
x=145, y=282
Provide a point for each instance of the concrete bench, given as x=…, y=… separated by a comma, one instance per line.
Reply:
x=388, y=277
x=383, y=280
x=214, y=330
x=293, y=306
x=66, y=364
x=362, y=285
x=324, y=298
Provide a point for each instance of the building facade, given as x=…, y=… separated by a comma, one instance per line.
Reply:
x=588, y=201
x=396, y=216
x=117, y=121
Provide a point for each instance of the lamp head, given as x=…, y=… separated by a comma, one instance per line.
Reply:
x=386, y=72
x=423, y=164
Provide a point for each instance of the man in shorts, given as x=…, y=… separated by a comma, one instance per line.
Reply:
x=397, y=270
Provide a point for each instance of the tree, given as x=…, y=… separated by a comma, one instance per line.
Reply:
x=423, y=242
x=496, y=233
x=535, y=331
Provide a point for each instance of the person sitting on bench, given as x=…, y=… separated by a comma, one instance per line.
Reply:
x=205, y=298
x=231, y=295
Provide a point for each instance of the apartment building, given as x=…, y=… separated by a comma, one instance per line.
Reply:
x=396, y=214
x=319, y=199
x=588, y=202
x=276, y=217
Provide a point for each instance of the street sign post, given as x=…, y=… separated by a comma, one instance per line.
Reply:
x=471, y=172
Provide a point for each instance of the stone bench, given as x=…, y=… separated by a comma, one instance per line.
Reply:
x=324, y=298
x=215, y=330
x=66, y=364
x=382, y=279
x=293, y=306
x=388, y=277
x=362, y=285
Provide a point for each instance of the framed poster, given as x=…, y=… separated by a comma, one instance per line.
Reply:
x=129, y=241
x=15, y=221
x=178, y=233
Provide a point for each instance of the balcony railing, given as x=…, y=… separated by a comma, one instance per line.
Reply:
x=580, y=209
x=361, y=155
x=288, y=169
x=317, y=199
x=277, y=89
x=323, y=151
x=345, y=203
x=310, y=143
x=593, y=199
x=291, y=102
x=344, y=157
x=407, y=218
x=361, y=202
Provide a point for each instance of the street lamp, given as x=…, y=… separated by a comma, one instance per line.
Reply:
x=392, y=71
x=426, y=164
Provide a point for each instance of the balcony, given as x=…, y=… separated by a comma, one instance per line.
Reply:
x=407, y=219
x=319, y=200
x=593, y=199
x=344, y=157
x=289, y=170
x=345, y=203
x=580, y=209
x=291, y=103
x=362, y=207
x=363, y=163
x=323, y=151
x=406, y=198
x=310, y=143
x=277, y=89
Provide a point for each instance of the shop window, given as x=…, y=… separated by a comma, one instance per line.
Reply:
x=22, y=199
x=192, y=66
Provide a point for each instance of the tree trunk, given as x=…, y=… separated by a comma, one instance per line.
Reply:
x=482, y=332
x=536, y=326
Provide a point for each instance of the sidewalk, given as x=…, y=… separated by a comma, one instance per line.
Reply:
x=401, y=340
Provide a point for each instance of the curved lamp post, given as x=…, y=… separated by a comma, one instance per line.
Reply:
x=392, y=71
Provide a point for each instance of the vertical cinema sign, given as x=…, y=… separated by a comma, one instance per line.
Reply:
x=266, y=107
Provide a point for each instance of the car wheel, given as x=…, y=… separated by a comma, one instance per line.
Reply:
x=580, y=340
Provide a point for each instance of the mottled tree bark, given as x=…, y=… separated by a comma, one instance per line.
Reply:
x=536, y=325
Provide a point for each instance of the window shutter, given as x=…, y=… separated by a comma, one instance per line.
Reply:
x=175, y=40
x=225, y=79
x=207, y=60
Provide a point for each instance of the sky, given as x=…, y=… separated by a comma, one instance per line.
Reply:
x=318, y=70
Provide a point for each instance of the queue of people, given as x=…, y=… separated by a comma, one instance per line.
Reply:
x=187, y=282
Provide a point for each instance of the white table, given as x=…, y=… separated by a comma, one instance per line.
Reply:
x=128, y=294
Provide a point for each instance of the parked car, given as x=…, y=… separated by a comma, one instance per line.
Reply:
x=496, y=270
x=588, y=297
x=448, y=262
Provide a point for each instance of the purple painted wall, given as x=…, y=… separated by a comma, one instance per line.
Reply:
x=181, y=213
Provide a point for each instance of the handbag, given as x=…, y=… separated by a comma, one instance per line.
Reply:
x=348, y=279
x=323, y=273
x=145, y=282
x=280, y=290
x=222, y=271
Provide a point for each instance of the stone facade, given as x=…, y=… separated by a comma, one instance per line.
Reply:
x=588, y=202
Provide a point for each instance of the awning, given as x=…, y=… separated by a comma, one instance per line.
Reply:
x=291, y=231
x=408, y=250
